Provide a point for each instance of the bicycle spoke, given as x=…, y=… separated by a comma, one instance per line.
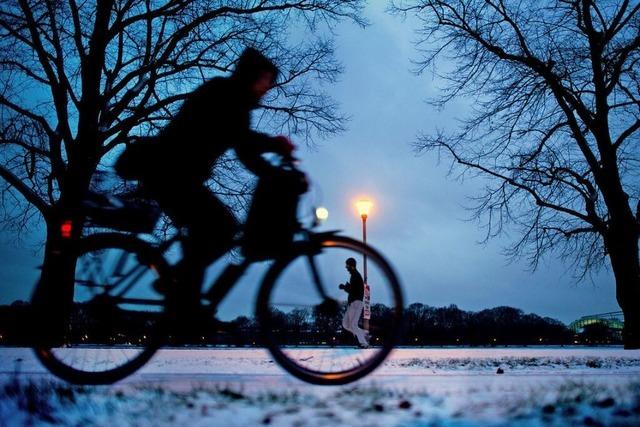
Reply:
x=120, y=264
x=132, y=277
x=115, y=319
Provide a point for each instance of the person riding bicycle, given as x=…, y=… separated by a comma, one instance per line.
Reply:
x=173, y=166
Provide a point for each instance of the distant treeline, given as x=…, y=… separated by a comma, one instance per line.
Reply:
x=423, y=326
x=427, y=325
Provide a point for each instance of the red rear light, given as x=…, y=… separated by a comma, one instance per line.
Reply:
x=66, y=228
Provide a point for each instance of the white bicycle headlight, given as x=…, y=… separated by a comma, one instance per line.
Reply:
x=322, y=213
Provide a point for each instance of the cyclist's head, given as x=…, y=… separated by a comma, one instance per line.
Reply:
x=351, y=262
x=256, y=70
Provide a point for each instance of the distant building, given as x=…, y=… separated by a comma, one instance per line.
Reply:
x=613, y=321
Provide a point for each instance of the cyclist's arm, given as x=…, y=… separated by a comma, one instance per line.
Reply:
x=250, y=148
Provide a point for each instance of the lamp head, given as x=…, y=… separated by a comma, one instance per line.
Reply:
x=364, y=207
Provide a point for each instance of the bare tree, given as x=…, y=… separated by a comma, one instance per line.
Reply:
x=80, y=78
x=555, y=125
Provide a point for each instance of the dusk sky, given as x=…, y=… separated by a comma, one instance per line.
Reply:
x=419, y=219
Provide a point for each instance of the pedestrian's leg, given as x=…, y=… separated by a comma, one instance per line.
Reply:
x=360, y=334
x=346, y=321
x=351, y=316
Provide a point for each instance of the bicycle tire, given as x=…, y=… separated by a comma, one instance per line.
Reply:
x=335, y=362
x=77, y=361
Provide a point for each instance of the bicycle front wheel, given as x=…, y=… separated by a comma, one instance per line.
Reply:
x=116, y=322
x=302, y=312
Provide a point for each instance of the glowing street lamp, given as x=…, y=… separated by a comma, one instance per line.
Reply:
x=364, y=207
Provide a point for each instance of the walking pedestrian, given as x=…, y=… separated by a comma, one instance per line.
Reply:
x=355, y=289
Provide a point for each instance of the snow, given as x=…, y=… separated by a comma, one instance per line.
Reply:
x=415, y=387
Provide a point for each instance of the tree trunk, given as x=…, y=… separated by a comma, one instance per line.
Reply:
x=623, y=252
x=52, y=299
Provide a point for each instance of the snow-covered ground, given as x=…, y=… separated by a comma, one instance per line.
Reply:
x=415, y=387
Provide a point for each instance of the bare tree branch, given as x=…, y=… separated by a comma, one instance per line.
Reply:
x=555, y=93
x=83, y=77
x=26, y=192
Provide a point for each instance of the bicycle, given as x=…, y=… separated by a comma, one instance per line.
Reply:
x=118, y=320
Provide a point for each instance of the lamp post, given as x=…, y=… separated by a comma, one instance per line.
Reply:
x=364, y=207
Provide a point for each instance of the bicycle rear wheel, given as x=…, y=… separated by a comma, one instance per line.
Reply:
x=116, y=322
x=303, y=328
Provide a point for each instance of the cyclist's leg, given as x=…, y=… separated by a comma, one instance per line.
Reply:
x=210, y=231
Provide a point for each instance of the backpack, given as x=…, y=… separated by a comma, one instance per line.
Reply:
x=272, y=218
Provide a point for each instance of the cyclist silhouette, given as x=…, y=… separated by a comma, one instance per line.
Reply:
x=173, y=166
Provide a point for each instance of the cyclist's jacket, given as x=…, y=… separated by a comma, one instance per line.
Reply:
x=355, y=287
x=213, y=119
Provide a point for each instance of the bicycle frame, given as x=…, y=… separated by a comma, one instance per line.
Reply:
x=223, y=284
x=233, y=272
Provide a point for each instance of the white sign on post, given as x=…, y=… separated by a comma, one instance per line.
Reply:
x=367, y=302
